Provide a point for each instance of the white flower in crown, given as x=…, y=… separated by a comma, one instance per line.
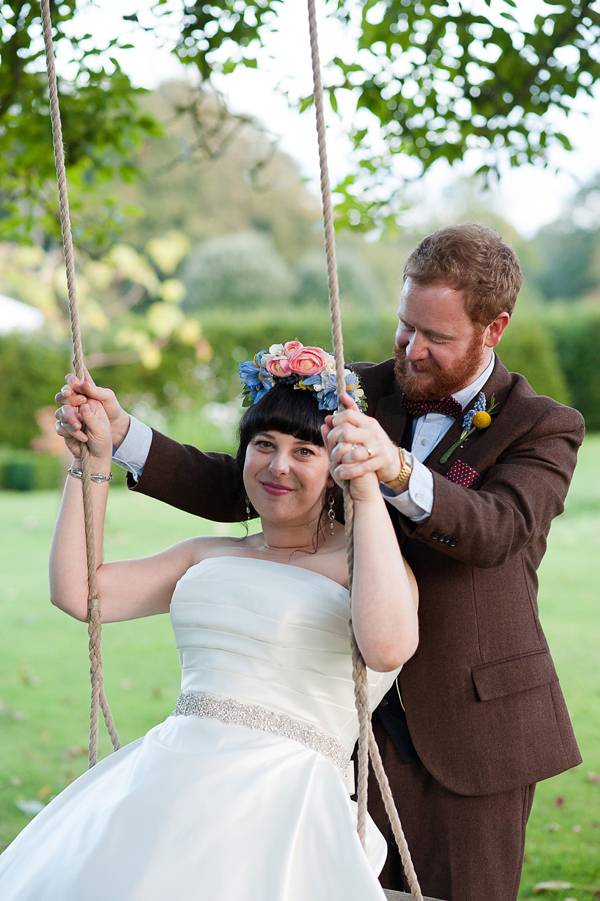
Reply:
x=329, y=365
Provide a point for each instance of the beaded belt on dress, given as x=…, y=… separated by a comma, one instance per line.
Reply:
x=197, y=703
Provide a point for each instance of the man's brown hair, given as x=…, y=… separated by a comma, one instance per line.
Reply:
x=470, y=258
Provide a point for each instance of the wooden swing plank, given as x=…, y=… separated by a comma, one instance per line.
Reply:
x=402, y=896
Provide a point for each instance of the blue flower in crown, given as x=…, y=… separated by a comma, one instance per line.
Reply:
x=249, y=373
x=256, y=381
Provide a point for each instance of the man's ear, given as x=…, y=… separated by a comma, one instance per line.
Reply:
x=495, y=330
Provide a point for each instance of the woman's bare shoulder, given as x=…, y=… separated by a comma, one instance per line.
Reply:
x=205, y=546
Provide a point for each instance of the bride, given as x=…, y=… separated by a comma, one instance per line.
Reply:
x=242, y=792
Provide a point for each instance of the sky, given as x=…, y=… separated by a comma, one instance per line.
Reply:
x=528, y=197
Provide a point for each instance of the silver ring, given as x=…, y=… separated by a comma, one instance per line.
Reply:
x=369, y=451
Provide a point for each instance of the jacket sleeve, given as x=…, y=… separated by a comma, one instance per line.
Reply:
x=205, y=484
x=521, y=492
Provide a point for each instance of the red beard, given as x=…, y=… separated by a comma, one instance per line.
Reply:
x=445, y=381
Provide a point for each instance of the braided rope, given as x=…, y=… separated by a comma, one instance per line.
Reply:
x=366, y=739
x=394, y=819
x=98, y=698
x=358, y=666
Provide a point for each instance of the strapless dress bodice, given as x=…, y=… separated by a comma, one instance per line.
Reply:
x=274, y=635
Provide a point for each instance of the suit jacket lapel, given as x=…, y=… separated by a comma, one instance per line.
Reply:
x=390, y=414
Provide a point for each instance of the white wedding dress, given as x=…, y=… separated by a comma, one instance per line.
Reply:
x=241, y=796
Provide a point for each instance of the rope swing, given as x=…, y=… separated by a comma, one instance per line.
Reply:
x=367, y=745
x=366, y=739
x=98, y=698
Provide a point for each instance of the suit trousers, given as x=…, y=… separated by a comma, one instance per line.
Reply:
x=464, y=848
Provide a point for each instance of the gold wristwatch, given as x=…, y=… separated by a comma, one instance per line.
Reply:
x=404, y=474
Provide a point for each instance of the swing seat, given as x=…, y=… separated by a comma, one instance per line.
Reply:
x=402, y=896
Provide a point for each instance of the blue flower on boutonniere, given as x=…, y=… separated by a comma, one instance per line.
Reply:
x=478, y=418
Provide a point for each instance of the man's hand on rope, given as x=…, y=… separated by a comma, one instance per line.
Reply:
x=358, y=445
x=359, y=450
x=74, y=394
x=97, y=435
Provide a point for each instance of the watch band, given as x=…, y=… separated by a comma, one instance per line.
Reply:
x=404, y=474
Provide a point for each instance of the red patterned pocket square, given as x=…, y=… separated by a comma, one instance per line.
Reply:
x=463, y=474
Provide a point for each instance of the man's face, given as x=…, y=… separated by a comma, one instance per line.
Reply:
x=438, y=349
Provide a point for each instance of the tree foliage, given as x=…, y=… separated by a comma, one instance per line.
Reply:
x=101, y=121
x=247, y=185
x=456, y=81
x=427, y=80
x=129, y=302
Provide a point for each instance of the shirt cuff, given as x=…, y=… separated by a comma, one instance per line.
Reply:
x=134, y=450
x=416, y=503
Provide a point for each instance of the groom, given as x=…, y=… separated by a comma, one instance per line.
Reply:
x=474, y=466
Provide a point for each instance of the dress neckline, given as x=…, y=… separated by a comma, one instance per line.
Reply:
x=287, y=566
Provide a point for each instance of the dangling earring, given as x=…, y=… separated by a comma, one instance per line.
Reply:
x=331, y=513
x=248, y=510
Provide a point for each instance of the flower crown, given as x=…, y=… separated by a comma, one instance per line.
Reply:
x=307, y=368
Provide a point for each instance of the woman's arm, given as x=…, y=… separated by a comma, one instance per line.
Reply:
x=128, y=589
x=204, y=484
x=384, y=590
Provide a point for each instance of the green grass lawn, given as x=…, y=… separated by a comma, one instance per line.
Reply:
x=44, y=689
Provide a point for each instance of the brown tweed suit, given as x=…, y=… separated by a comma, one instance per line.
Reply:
x=482, y=698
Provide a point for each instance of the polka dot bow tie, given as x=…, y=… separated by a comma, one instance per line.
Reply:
x=447, y=405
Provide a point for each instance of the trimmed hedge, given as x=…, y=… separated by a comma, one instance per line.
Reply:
x=367, y=336
x=23, y=470
x=576, y=333
x=528, y=347
x=30, y=374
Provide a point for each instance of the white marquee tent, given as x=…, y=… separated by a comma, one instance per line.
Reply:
x=18, y=317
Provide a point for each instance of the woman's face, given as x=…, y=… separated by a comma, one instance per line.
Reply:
x=285, y=477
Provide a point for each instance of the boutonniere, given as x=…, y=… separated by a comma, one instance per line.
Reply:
x=479, y=417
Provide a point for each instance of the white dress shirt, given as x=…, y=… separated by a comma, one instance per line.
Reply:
x=416, y=502
x=134, y=450
x=428, y=430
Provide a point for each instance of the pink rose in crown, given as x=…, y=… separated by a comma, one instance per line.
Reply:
x=308, y=361
x=290, y=348
x=278, y=366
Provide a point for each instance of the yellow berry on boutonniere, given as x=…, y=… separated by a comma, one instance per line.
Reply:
x=477, y=418
x=482, y=420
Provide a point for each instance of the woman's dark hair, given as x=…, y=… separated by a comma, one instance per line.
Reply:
x=283, y=409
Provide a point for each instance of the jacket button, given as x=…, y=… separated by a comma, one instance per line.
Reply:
x=436, y=536
x=445, y=538
x=453, y=542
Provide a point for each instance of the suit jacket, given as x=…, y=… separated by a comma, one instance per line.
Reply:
x=482, y=698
